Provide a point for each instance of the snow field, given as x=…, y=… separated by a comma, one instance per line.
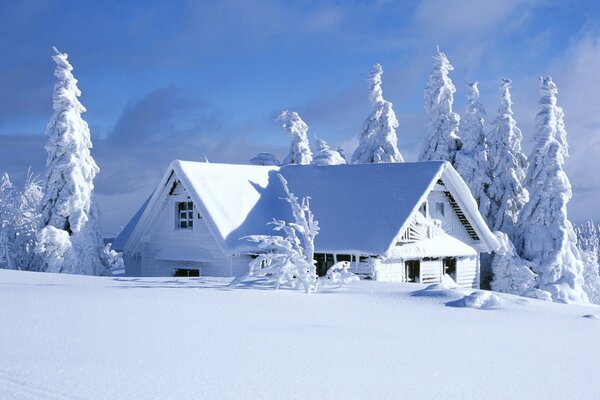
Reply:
x=72, y=337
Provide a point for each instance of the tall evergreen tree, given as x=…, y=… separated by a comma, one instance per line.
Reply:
x=472, y=159
x=69, y=238
x=378, y=139
x=507, y=165
x=588, y=243
x=299, y=148
x=545, y=234
x=19, y=220
x=442, y=140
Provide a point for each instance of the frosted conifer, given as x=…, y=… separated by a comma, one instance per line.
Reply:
x=19, y=220
x=299, y=149
x=472, y=159
x=68, y=205
x=442, y=140
x=507, y=165
x=378, y=139
x=264, y=159
x=545, y=234
x=323, y=155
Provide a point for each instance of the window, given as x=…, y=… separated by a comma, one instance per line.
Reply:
x=439, y=209
x=423, y=209
x=346, y=257
x=450, y=266
x=185, y=214
x=413, y=270
x=186, y=272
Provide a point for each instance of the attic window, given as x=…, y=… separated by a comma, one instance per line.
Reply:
x=185, y=214
x=439, y=208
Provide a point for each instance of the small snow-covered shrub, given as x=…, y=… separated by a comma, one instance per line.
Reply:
x=55, y=244
x=264, y=159
x=289, y=260
x=339, y=274
x=323, y=155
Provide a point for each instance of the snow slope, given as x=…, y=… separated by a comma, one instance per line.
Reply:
x=77, y=337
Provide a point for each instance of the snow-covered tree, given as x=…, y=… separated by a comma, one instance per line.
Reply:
x=19, y=219
x=545, y=234
x=289, y=260
x=588, y=244
x=588, y=237
x=442, y=140
x=323, y=155
x=378, y=140
x=343, y=154
x=507, y=165
x=69, y=210
x=264, y=159
x=512, y=274
x=472, y=159
x=299, y=149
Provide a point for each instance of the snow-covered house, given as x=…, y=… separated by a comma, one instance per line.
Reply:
x=394, y=221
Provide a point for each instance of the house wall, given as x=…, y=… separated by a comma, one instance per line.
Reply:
x=467, y=271
x=467, y=268
x=162, y=233
x=450, y=222
x=389, y=271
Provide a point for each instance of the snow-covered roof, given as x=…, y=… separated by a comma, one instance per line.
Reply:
x=361, y=208
x=438, y=246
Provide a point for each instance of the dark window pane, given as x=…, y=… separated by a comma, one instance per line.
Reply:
x=183, y=224
x=191, y=224
x=190, y=215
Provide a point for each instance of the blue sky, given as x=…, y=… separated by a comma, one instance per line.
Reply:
x=175, y=79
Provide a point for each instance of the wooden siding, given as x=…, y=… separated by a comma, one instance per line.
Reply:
x=467, y=272
x=431, y=271
x=162, y=233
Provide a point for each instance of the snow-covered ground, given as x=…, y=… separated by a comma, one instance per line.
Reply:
x=75, y=337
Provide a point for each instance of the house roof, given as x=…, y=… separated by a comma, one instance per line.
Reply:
x=361, y=208
x=438, y=246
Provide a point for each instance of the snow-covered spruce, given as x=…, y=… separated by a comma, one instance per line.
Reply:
x=545, y=233
x=299, y=148
x=442, y=140
x=289, y=260
x=507, y=165
x=264, y=159
x=323, y=155
x=19, y=220
x=512, y=274
x=472, y=159
x=589, y=247
x=69, y=235
x=378, y=139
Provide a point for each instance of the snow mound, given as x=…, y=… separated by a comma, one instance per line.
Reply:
x=481, y=300
x=439, y=291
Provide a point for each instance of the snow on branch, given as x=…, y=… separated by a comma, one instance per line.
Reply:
x=288, y=260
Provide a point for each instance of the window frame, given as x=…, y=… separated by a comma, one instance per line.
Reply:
x=184, y=214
